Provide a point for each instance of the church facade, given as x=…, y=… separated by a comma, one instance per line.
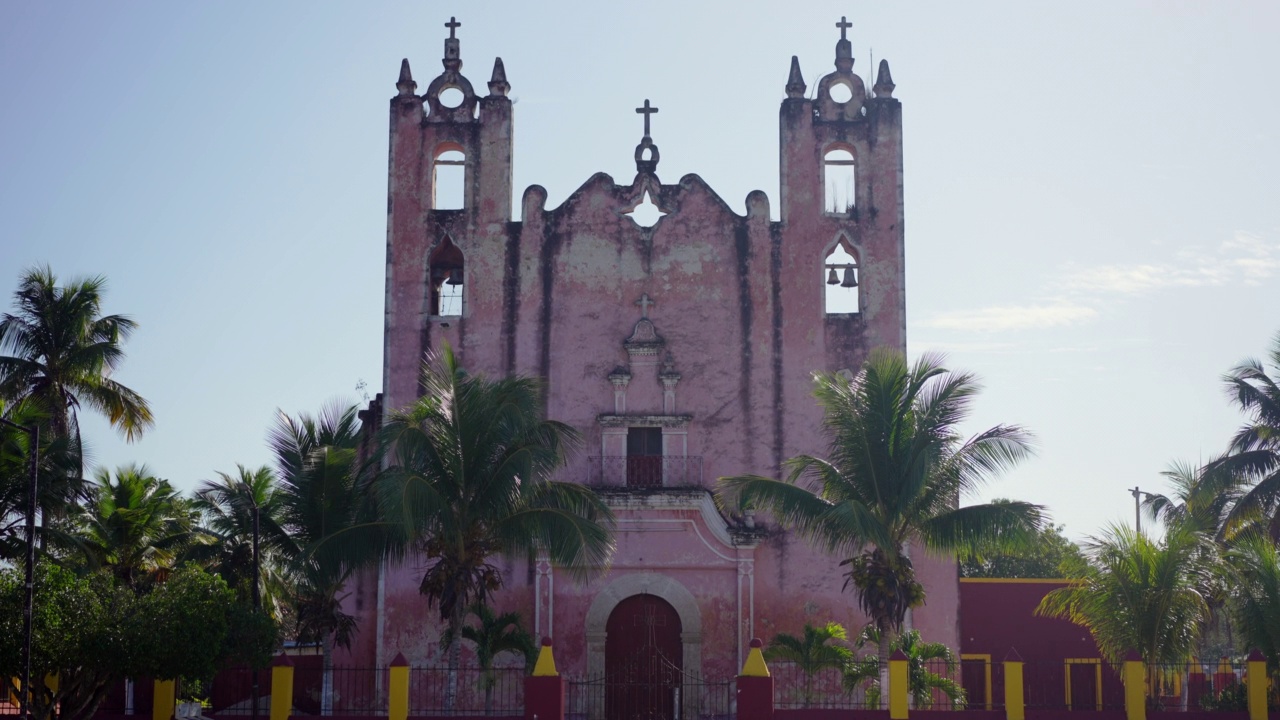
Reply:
x=681, y=349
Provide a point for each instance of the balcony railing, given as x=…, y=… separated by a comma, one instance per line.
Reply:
x=645, y=471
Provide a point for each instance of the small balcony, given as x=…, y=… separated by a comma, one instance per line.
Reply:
x=645, y=471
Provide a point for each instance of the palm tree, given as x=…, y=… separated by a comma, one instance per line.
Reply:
x=1202, y=499
x=329, y=530
x=811, y=653
x=1138, y=593
x=59, y=487
x=227, y=507
x=135, y=525
x=1254, y=451
x=922, y=658
x=897, y=467
x=467, y=480
x=63, y=351
x=1254, y=570
x=493, y=636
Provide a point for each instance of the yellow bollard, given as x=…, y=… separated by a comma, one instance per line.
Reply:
x=1256, y=682
x=164, y=701
x=898, y=686
x=1135, y=687
x=1015, y=706
x=398, y=689
x=281, y=688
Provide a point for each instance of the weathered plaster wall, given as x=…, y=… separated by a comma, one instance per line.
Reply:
x=738, y=303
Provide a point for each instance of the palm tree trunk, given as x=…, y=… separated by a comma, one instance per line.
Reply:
x=489, y=681
x=326, y=678
x=883, y=654
x=455, y=658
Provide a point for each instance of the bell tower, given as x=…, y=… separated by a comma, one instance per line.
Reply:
x=841, y=205
x=448, y=205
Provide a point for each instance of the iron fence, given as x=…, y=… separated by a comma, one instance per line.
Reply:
x=684, y=697
x=352, y=691
x=1197, y=686
x=1072, y=684
x=497, y=691
x=794, y=688
x=937, y=685
x=645, y=471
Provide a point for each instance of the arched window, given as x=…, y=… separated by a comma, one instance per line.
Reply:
x=839, y=180
x=448, y=181
x=842, y=275
x=447, y=277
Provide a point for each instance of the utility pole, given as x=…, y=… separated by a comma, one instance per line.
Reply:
x=257, y=597
x=28, y=607
x=1137, y=506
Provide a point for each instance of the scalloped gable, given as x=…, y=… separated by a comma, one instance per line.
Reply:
x=601, y=191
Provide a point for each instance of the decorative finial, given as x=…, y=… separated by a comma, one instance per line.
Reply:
x=452, y=57
x=646, y=111
x=645, y=303
x=884, y=81
x=498, y=84
x=844, y=48
x=843, y=25
x=795, y=81
x=646, y=151
x=405, y=84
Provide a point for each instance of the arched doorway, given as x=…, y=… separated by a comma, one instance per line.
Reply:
x=643, y=659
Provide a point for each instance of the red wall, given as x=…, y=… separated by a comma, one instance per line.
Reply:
x=997, y=616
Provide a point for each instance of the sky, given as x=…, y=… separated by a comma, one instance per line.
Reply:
x=1092, y=193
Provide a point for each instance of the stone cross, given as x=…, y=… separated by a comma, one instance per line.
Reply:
x=645, y=303
x=646, y=111
x=453, y=25
x=843, y=25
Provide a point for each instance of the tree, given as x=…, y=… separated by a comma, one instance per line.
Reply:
x=922, y=658
x=227, y=507
x=1202, y=501
x=1042, y=559
x=1254, y=450
x=93, y=631
x=1137, y=593
x=62, y=352
x=897, y=468
x=329, y=528
x=492, y=636
x=812, y=653
x=467, y=480
x=1254, y=572
x=60, y=485
x=135, y=525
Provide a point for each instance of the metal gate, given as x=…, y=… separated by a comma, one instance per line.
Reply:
x=670, y=695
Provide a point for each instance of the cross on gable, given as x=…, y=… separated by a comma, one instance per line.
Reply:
x=453, y=25
x=645, y=303
x=646, y=111
x=843, y=25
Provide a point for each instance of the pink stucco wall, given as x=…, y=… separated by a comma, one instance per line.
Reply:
x=738, y=305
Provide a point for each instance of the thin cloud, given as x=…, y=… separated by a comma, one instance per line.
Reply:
x=1013, y=317
x=1245, y=258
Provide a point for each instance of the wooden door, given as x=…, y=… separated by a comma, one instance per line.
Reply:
x=643, y=660
x=644, y=457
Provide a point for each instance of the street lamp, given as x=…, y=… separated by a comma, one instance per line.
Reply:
x=33, y=432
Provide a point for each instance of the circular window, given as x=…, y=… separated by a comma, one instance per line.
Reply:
x=451, y=97
x=840, y=92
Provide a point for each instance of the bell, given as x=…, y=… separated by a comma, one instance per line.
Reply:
x=849, y=279
x=832, y=279
x=455, y=277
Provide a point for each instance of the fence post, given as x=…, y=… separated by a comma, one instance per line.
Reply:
x=1135, y=687
x=1015, y=704
x=898, y=685
x=544, y=689
x=1256, y=681
x=755, y=686
x=164, y=700
x=398, y=689
x=281, y=687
